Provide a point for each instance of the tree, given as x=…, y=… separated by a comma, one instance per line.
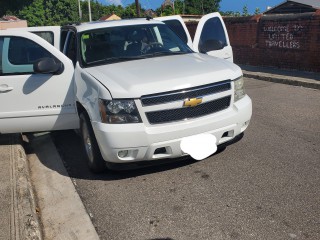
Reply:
x=12, y=7
x=165, y=11
x=200, y=7
x=245, y=11
x=179, y=7
x=61, y=12
x=257, y=11
x=130, y=11
x=34, y=13
x=231, y=14
x=50, y=12
x=194, y=7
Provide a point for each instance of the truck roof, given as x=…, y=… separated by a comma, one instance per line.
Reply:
x=102, y=24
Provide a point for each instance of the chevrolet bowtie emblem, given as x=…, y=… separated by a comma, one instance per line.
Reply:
x=192, y=102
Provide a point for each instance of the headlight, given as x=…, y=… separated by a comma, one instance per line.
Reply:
x=119, y=111
x=239, y=89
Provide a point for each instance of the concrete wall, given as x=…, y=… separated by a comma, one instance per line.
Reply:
x=12, y=24
x=290, y=41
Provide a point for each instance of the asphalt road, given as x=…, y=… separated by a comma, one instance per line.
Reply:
x=266, y=186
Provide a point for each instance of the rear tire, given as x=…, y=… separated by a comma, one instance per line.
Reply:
x=95, y=161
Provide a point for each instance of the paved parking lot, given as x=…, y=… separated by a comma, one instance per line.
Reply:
x=265, y=186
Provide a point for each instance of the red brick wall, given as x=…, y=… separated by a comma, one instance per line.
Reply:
x=284, y=41
x=192, y=27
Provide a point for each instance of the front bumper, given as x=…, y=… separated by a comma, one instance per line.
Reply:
x=143, y=143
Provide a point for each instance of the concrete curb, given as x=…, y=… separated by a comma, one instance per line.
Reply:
x=296, y=82
x=24, y=222
x=290, y=77
x=62, y=213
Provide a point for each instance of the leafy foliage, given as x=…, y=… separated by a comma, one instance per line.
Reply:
x=257, y=11
x=49, y=12
x=245, y=12
x=11, y=7
x=192, y=7
x=58, y=12
x=34, y=13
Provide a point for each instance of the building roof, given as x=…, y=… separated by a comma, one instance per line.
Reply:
x=9, y=18
x=295, y=6
x=312, y=3
x=150, y=13
x=110, y=17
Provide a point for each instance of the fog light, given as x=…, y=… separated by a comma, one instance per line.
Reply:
x=123, y=153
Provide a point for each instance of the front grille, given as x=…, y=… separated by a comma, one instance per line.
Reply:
x=172, y=115
x=172, y=96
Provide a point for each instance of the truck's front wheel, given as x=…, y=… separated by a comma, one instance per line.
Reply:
x=93, y=155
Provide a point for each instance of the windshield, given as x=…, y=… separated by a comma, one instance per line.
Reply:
x=125, y=43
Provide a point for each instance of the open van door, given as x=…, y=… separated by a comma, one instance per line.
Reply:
x=36, y=85
x=211, y=36
x=177, y=25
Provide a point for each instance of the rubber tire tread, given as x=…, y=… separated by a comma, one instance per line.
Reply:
x=98, y=165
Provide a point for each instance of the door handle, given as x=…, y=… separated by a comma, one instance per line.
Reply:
x=5, y=88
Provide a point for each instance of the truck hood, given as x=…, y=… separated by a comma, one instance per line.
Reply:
x=133, y=79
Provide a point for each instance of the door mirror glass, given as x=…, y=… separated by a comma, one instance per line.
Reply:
x=47, y=65
x=210, y=45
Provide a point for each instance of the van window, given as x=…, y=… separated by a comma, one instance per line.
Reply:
x=177, y=27
x=128, y=43
x=1, y=46
x=24, y=51
x=63, y=38
x=213, y=30
x=46, y=35
x=71, y=47
x=19, y=54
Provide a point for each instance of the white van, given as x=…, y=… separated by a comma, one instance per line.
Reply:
x=135, y=89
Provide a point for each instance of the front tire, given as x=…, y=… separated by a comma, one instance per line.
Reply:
x=95, y=161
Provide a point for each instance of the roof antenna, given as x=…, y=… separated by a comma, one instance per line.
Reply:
x=149, y=18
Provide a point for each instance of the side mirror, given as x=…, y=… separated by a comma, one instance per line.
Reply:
x=47, y=65
x=210, y=45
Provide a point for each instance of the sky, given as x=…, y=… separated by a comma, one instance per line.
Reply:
x=225, y=5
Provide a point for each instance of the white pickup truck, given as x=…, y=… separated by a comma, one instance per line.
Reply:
x=134, y=88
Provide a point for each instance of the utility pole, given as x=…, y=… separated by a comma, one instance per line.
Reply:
x=137, y=8
x=89, y=9
x=202, y=7
x=80, y=14
x=174, y=10
x=184, y=7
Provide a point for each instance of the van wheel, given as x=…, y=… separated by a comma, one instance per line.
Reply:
x=93, y=155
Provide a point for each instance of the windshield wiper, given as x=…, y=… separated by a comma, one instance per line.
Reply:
x=163, y=53
x=128, y=58
x=116, y=59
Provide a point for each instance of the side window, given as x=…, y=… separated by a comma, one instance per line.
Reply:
x=177, y=27
x=63, y=39
x=213, y=36
x=48, y=36
x=19, y=54
x=71, y=47
x=1, y=46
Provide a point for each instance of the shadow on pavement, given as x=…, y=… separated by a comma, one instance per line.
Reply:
x=69, y=146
